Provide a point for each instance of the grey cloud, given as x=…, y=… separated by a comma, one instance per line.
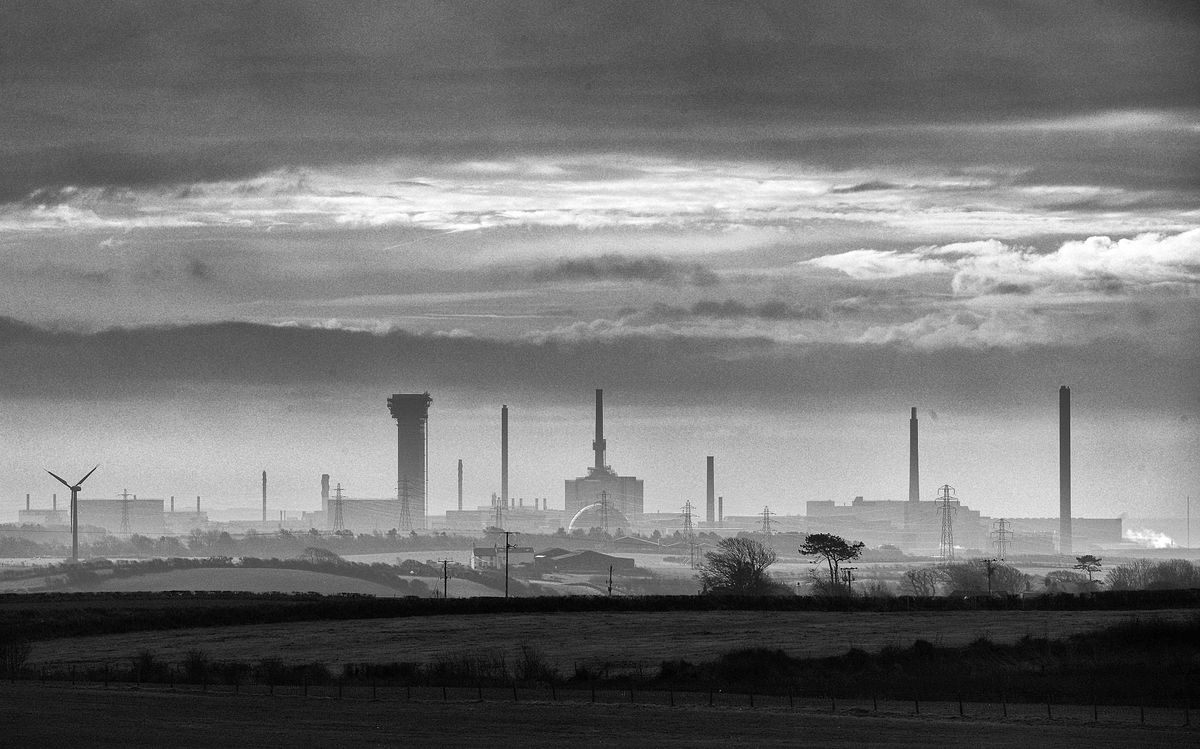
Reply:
x=621, y=268
x=772, y=310
x=131, y=363
x=133, y=93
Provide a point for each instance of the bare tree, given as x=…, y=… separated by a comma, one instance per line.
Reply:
x=834, y=550
x=922, y=582
x=739, y=567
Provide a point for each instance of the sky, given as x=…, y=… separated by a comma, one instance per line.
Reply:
x=228, y=231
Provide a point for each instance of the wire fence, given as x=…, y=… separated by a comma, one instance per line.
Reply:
x=993, y=708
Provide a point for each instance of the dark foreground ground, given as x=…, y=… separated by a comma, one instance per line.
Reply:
x=35, y=715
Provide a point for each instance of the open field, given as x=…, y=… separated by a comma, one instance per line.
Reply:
x=268, y=580
x=626, y=639
x=35, y=715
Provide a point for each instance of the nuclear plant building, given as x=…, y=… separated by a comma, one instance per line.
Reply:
x=602, y=489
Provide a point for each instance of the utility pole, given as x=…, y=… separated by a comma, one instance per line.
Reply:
x=991, y=567
x=339, y=522
x=766, y=520
x=507, y=546
x=610, y=581
x=445, y=577
x=848, y=574
x=948, y=508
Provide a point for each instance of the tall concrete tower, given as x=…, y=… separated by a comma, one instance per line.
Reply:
x=264, y=496
x=504, y=456
x=914, y=469
x=411, y=412
x=599, y=445
x=1064, y=470
x=710, y=496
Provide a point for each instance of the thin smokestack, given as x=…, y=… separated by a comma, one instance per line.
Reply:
x=172, y=503
x=504, y=456
x=26, y=501
x=720, y=509
x=54, y=502
x=325, y=493
x=1064, y=469
x=599, y=445
x=914, y=468
x=710, y=496
x=460, y=484
x=264, y=496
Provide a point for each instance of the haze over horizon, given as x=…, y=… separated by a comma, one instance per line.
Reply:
x=229, y=231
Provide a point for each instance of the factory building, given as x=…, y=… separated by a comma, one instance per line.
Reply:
x=116, y=516
x=602, y=485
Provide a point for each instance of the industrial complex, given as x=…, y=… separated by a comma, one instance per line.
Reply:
x=606, y=501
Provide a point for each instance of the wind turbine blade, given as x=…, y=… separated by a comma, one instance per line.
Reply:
x=89, y=473
x=60, y=478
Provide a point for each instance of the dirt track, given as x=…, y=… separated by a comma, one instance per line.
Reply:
x=34, y=715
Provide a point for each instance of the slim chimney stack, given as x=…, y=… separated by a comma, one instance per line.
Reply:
x=460, y=484
x=914, y=468
x=599, y=445
x=54, y=502
x=172, y=503
x=325, y=493
x=720, y=510
x=710, y=495
x=264, y=496
x=26, y=501
x=1064, y=470
x=504, y=456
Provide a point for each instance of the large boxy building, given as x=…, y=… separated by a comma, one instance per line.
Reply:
x=602, y=485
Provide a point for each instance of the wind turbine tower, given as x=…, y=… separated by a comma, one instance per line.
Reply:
x=75, y=489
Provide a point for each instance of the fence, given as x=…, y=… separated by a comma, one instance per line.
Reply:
x=995, y=708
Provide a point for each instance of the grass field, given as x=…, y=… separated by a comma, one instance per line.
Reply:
x=268, y=580
x=34, y=715
x=628, y=640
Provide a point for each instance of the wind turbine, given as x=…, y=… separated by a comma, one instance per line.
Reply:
x=75, y=489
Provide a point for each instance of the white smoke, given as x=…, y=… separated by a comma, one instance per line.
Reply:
x=1148, y=538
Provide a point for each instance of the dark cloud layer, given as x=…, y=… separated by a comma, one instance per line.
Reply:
x=135, y=363
x=620, y=268
x=135, y=93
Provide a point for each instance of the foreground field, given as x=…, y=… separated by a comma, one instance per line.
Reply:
x=626, y=640
x=35, y=715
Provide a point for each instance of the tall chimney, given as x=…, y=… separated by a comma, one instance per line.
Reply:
x=599, y=445
x=172, y=503
x=26, y=501
x=1064, y=470
x=460, y=484
x=325, y=493
x=264, y=496
x=914, y=469
x=54, y=502
x=710, y=496
x=504, y=456
x=720, y=509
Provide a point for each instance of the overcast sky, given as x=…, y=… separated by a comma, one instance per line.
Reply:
x=229, y=230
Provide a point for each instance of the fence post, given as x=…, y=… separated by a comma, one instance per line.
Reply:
x=791, y=698
x=553, y=693
x=630, y=694
x=671, y=697
x=916, y=705
x=106, y=676
x=515, y=698
x=832, y=704
x=710, y=698
x=1142, y=710
x=479, y=691
x=1003, y=705
x=752, y=699
x=1095, y=711
x=373, y=683
x=304, y=684
x=593, y=691
x=960, y=706
x=445, y=697
x=72, y=675
x=339, y=689
x=874, y=703
x=1048, y=714
x=408, y=692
